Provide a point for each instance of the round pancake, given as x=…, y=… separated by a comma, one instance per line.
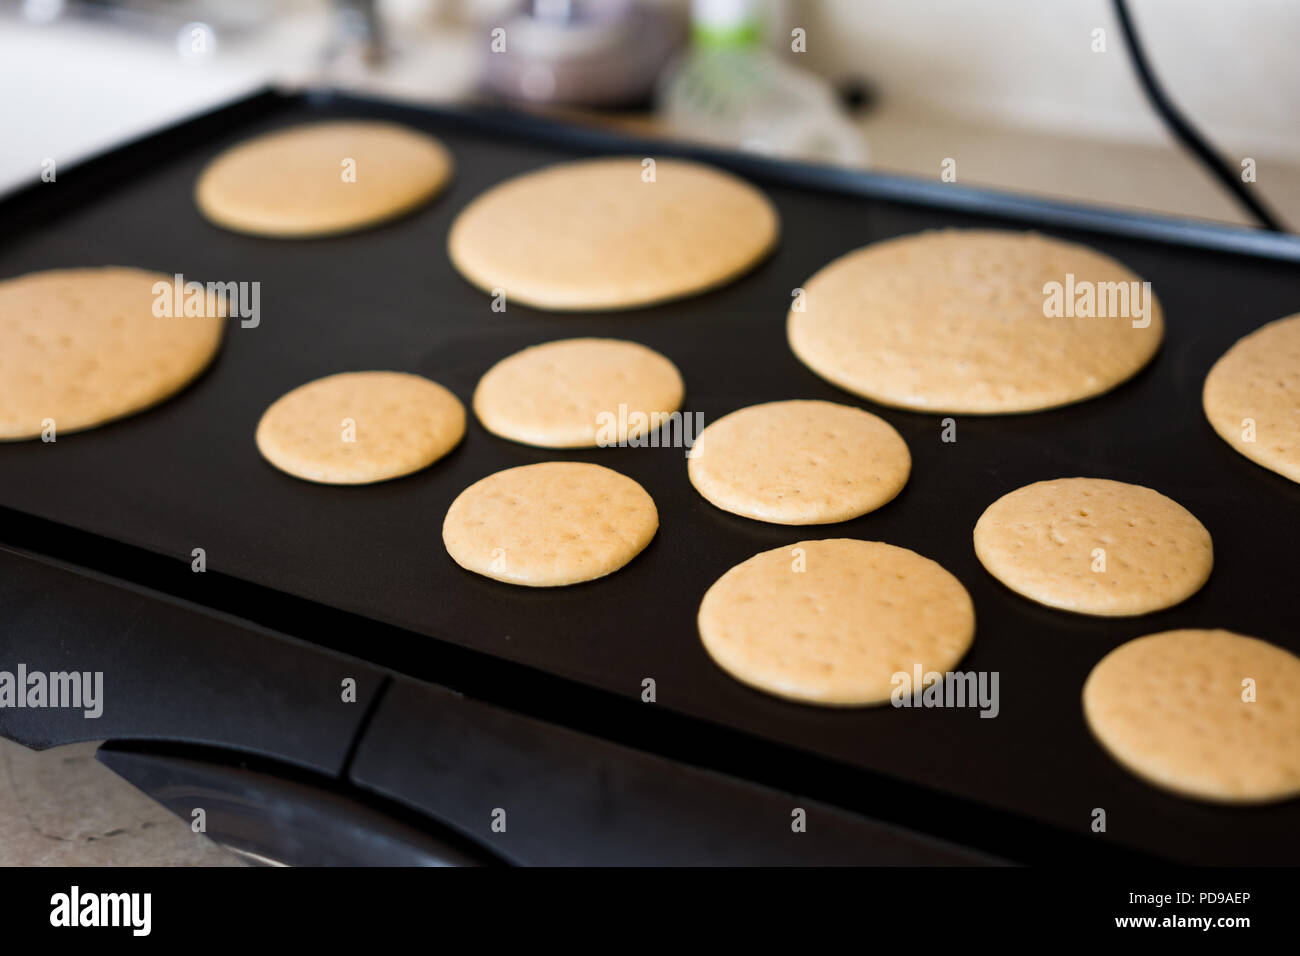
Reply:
x=799, y=462
x=322, y=178
x=954, y=321
x=567, y=394
x=837, y=631
x=593, y=234
x=1172, y=708
x=359, y=427
x=82, y=347
x=1094, y=546
x=1259, y=379
x=549, y=524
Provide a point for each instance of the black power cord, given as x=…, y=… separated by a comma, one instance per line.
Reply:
x=1184, y=130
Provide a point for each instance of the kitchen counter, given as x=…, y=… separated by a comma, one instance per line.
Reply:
x=61, y=807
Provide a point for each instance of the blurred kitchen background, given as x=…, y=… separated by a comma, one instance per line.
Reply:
x=1038, y=97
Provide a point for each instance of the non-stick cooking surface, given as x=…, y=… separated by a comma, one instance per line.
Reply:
x=187, y=474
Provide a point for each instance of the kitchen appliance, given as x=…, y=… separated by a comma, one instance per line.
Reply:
x=502, y=724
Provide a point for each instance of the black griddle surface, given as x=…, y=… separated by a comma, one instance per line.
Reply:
x=187, y=474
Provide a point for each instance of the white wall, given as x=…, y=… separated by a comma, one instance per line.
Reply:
x=1232, y=65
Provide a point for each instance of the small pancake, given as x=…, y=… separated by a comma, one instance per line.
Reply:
x=1210, y=715
x=359, y=427
x=957, y=321
x=1094, y=546
x=593, y=234
x=549, y=524
x=1252, y=396
x=799, y=462
x=837, y=631
x=81, y=347
x=322, y=178
x=567, y=394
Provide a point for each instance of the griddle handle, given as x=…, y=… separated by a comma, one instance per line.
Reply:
x=537, y=793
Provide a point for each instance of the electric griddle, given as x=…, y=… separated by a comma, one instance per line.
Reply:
x=334, y=689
